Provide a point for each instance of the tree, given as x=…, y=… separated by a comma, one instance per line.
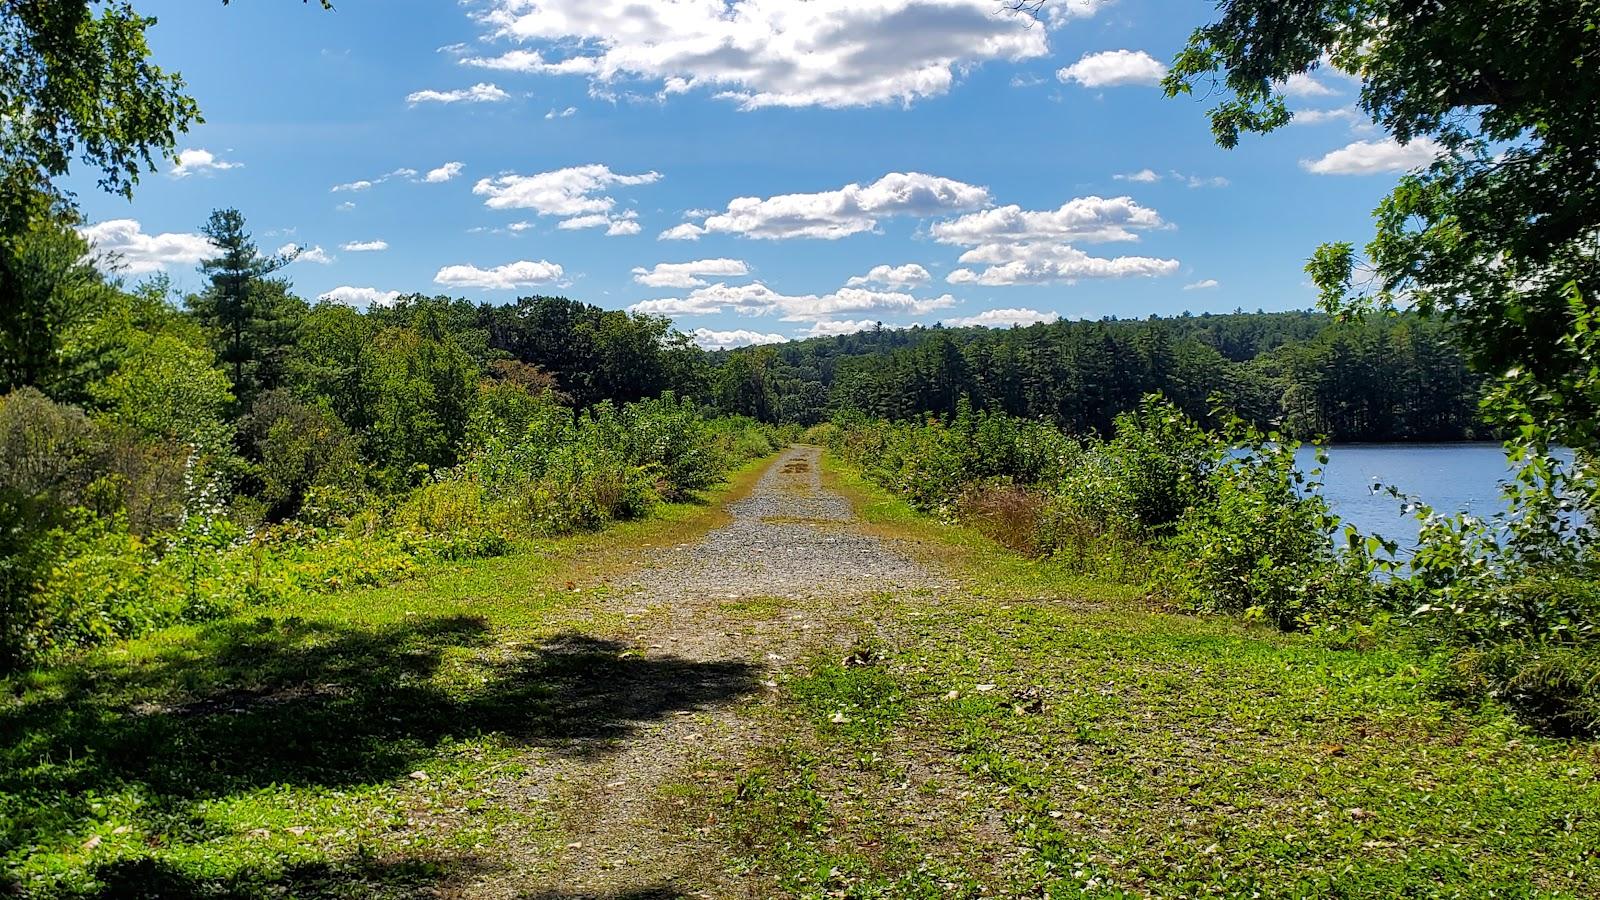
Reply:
x=240, y=308
x=1499, y=232
x=47, y=287
x=76, y=82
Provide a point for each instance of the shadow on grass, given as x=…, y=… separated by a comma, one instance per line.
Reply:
x=636, y=894
x=153, y=879
x=259, y=702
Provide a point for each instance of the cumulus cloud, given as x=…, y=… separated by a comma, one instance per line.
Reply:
x=573, y=193
x=726, y=340
x=1092, y=219
x=302, y=253
x=522, y=273
x=764, y=53
x=830, y=215
x=482, y=92
x=364, y=246
x=1046, y=262
x=908, y=275
x=444, y=173
x=199, y=161
x=360, y=296
x=120, y=245
x=1143, y=176
x=561, y=114
x=360, y=185
x=1318, y=116
x=1003, y=318
x=758, y=299
x=1111, y=68
x=1301, y=84
x=1373, y=157
x=622, y=223
x=1205, y=284
x=834, y=328
x=687, y=274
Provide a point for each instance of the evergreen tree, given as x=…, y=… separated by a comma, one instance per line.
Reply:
x=241, y=310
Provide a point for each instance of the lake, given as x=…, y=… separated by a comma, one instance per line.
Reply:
x=1462, y=477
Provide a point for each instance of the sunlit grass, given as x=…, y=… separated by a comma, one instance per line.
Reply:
x=368, y=742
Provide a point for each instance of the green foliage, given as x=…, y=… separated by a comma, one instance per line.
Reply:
x=1377, y=379
x=77, y=81
x=1261, y=541
x=298, y=447
x=49, y=287
x=250, y=317
x=1500, y=228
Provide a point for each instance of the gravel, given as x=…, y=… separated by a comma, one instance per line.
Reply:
x=801, y=549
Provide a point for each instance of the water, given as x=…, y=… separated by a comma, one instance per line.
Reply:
x=1462, y=477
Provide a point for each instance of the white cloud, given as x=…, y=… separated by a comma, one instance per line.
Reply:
x=360, y=296
x=523, y=273
x=364, y=246
x=1080, y=219
x=1318, y=116
x=849, y=210
x=561, y=114
x=757, y=299
x=627, y=224
x=361, y=185
x=1143, y=176
x=306, y=254
x=1205, y=284
x=573, y=193
x=686, y=274
x=198, y=161
x=834, y=328
x=444, y=173
x=120, y=245
x=761, y=53
x=482, y=92
x=688, y=231
x=1046, y=262
x=1373, y=157
x=623, y=223
x=1301, y=84
x=725, y=340
x=908, y=275
x=1003, y=318
x=1111, y=68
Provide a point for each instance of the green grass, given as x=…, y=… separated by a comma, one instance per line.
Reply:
x=373, y=742
x=1127, y=751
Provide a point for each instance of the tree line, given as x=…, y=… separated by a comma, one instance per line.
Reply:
x=1379, y=378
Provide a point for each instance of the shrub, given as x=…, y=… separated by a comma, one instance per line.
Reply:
x=1262, y=543
x=296, y=447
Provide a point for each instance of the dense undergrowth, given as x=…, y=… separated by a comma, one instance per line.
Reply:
x=102, y=548
x=1224, y=521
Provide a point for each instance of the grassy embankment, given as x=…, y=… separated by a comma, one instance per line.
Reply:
x=364, y=743
x=1041, y=731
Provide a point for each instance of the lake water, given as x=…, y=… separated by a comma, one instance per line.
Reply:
x=1463, y=477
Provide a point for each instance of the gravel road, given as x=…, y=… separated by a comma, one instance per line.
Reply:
x=716, y=621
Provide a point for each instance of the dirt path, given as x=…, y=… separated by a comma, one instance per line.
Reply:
x=715, y=622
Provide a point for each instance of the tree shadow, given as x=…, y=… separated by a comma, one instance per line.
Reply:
x=252, y=703
x=660, y=892
x=146, y=878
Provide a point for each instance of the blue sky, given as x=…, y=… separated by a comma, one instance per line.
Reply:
x=800, y=167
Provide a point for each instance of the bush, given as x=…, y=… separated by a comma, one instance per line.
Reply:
x=1261, y=542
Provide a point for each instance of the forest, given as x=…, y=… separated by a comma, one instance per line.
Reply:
x=1395, y=378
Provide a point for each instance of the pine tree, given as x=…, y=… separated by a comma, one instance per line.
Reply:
x=237, y=308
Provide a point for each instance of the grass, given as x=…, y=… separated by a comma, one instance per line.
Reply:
x=366, y=743
x=1094, y=746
